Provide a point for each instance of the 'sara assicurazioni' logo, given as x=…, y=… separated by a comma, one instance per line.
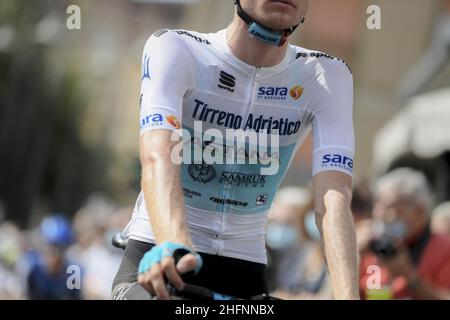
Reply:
x=296, y=92
x=280, y=93
x=173, y=121
x=338, y=161
x=152, y=120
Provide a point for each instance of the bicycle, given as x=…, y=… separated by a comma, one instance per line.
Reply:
x=189, y=292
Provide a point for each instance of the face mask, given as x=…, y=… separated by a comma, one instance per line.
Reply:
x=392, y=230
x=311, y=227
x=281, y=236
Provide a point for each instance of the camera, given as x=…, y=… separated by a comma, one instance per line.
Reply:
x=387, y=236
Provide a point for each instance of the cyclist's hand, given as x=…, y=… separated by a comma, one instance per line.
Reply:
x=159, y=263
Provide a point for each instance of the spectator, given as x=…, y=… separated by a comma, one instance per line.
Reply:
x=440, y=219
x=411, y=261
x=47, y=279
x=362, y=203
x=12, y=285
x=94, y=224
x=296, y=268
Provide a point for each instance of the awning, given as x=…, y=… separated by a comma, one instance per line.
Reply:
x=421, y=129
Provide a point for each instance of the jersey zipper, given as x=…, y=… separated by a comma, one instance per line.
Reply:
x=227, y=191
x=255, y=81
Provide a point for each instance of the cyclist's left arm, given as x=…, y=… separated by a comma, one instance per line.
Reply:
x=333, y=137
x=332, y=196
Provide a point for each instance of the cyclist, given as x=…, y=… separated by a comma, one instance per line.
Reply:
x=244, y=77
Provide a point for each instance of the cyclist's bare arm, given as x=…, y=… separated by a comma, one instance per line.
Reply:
x=164, y=68
x=332, y=197
x=161, y=184
x=165, y=202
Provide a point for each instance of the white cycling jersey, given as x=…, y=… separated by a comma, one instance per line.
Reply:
x=189, y=76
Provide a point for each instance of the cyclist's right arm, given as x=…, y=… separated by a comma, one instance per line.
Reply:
x=166, y=76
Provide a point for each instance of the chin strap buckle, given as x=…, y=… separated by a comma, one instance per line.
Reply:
x=258, y=30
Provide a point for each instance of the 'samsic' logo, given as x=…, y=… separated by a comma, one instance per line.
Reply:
x=296, y=92
x=173, y=121
x=338, y=161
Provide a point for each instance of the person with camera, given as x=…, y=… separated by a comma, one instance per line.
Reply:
x=400, y=257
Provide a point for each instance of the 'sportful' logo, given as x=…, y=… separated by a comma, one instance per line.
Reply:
x=337, y=161
x=296, y=92
x=202, y=172
x=226, y=81
x=173, y=121
x=198, y=39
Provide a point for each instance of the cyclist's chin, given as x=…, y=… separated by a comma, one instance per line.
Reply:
x=279, y=21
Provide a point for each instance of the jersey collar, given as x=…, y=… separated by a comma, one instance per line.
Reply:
x=220, y=42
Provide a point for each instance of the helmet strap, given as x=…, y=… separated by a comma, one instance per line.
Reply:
x=263, y=33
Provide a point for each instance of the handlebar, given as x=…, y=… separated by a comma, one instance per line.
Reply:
x=190, y=292
x=119, y=240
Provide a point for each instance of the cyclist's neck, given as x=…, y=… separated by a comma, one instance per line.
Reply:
x=250, y=50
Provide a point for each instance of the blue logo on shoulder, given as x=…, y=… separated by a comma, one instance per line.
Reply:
x=146, y=68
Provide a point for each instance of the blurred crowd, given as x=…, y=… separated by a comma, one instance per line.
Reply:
x=62, y=258
x=403, y=239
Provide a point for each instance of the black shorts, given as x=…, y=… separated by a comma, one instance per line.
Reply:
x=224, y=275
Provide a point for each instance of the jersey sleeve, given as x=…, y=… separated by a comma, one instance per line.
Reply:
x=168, y=71
x=332, y=124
